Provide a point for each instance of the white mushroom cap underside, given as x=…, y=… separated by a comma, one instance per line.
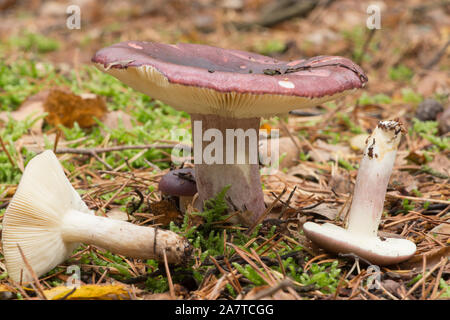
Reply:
x=34, y=216
x=199, y=100
x=365, y=246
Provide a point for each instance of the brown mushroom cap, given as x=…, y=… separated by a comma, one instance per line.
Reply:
x=180, y=182
x=231, y=83
x=375, y=250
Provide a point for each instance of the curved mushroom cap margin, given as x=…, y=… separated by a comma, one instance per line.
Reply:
x=230, y=83
x=377, y=251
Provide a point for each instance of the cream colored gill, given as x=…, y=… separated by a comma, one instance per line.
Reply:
x=190, y=99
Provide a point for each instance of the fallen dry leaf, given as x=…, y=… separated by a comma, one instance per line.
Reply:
x=441, y=232
x=340, y=184
x=433, y=258
x=115, y=119
x=304, y=172
x=88, y=292
x=6, y=292
x=288, y=151
x=67, y=108
x=277, y=295
x=440, y=163
x=403, y=181
x=434, y=82
x=327, y=210
x=166, y=211
x=32, y=108
x=323, y=151
x=358, y=142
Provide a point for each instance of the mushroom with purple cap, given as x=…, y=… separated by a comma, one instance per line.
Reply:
x=360, y=235
x=179, y=183
x=228, y=91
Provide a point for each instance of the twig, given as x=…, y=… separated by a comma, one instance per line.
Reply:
x=436, y=285
x=68, y=294
x=283, y=284
x=365, y=46
x=169, y=277
x=117, y=148
x=418, y=283
x=39, y=290
x=7, y=152
x=417, y=198
x=437, y=57
x=57, y=136
x=261, y=218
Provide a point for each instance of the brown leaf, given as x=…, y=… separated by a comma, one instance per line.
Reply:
x=434, y=82
x=440, y=163
x=288, y=150
x=67, y=108
x=116, y=118
x=6, y=292
x=166, y=209
x=441, y=232
x=340, y=184
x=32, y=108
x=358, y=142
x=326, y=210
x=433, y=258
x=158, y=296
x=403, y=181
x=323, y=151
x=304, y=172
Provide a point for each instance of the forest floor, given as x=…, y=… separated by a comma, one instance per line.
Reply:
x=45, y=70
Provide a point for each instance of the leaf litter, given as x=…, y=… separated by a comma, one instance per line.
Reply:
x=274, y=260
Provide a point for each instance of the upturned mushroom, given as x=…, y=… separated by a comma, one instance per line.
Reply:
x=226, y=92
x=360, y=235
x=47, y=220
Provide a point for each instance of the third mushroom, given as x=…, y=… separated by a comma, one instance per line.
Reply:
x=226, y=92
x=360, y=235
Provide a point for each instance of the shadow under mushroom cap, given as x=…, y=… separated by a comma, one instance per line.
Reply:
x=231, y=71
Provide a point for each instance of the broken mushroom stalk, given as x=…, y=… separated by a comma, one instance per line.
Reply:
x=47, y=219
x=360, y=236
x=226, y=92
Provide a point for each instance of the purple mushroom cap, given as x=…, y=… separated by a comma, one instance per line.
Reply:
x=180, y=182
x=270, y=86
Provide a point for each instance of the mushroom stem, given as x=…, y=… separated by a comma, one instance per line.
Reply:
x=226, y=153
x=184, y=202
x=122, y=237
x=373, y=178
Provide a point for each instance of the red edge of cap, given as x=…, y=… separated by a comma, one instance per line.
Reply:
x=227, y=70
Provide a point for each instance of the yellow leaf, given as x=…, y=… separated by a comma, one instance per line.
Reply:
x=5, y=288
x=266, y=126
x=88, y=292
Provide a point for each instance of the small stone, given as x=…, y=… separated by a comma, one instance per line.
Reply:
x=428, y=110
x=204, y=23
